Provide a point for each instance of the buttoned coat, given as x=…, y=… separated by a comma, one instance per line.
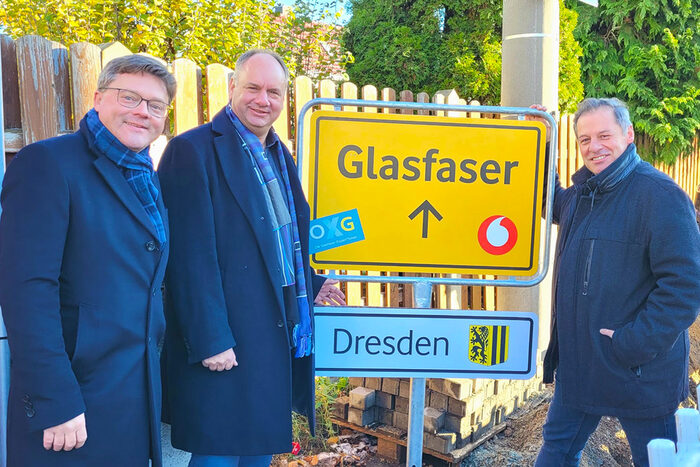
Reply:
x=222, y=291
x=80, y=290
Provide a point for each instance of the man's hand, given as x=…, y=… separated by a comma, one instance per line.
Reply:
x=66, y=436
x=330, y=294
x=607, y=332
x=540, y=119
x=221, y=361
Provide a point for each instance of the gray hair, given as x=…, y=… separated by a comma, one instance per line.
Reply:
x=252, y=52
x=619, y=108
x=135, y=64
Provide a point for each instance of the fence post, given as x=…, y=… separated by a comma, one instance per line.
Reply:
x=663, y=453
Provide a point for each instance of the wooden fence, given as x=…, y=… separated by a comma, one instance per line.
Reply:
x=48, y=87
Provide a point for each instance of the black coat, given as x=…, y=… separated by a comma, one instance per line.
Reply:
x=627, y=259
x=221, y=292
x=80, y=290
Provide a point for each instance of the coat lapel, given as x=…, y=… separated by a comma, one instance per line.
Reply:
x=241, y=180
x=116, y=181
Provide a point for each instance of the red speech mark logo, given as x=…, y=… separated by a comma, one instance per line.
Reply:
x=497, y=235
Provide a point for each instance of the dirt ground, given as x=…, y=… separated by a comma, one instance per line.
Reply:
x=519, y=443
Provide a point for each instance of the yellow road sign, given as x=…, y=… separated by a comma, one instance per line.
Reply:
x=430, y=194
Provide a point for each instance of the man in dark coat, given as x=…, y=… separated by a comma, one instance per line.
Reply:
x=626, y=289
x=83, y=249
x=238, y=355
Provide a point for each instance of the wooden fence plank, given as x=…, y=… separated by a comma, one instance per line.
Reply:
x=187, y=102
x=36, y=88
x=303, y=93
x=439, y=98
x=474, y=114
x=112, y=50
x=388, y=94
x=10, y=84
x=327, y=89
x=217, y=88
x=85, y=67
x=282, y=124
x=61, y=80
x=348, y=90
x=369, y=93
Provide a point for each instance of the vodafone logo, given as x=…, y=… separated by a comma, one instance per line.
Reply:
x=497, y=235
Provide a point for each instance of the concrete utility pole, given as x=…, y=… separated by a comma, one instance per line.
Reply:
x=530, y=75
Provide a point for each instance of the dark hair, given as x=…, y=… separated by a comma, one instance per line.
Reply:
x=134, y=64
x=619, y=108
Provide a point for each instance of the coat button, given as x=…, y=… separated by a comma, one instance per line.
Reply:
x=155, y=292
x=280, y=324
x=26, y=398
x=29, y=411
x=151, y=245
x=262, y=218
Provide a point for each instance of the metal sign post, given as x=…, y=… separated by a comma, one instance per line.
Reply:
x=422, y=287
x=422, y=292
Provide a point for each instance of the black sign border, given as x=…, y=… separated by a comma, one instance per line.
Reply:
x=431, y=316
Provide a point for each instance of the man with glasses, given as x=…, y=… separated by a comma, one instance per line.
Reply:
x=83, y=249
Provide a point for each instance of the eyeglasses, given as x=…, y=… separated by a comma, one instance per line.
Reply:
x=131, y=100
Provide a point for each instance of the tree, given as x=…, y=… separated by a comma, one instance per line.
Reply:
x=427, y=45
x=205, y=31
x=646, y=52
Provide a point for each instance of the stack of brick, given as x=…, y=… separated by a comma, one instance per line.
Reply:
x=457, y=411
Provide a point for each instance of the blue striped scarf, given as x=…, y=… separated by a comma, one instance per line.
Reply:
x=137, y=168
x=284, y=224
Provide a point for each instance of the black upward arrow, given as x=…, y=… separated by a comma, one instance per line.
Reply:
x=426, y=208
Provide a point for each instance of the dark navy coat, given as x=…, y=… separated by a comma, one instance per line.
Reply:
x=627, y=259
x=80, y=290
x=222, y=291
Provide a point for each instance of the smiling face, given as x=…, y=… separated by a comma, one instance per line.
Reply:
x=601, y=139
x=257, y=96
x=135, y=128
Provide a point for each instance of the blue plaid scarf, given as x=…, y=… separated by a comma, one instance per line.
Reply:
x=284, y=224
x=137, y=168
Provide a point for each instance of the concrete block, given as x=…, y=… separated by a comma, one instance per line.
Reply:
x=442, y=441
x=458, y=388
x=475, y=402
x=385, y=416
x=362, y=417
x=438, y=401
x=401, y=404
x=433, y=419
x=356, y=382
x=405, y=388
x=401, y=420
x=373, y=383
x=435, y=384
x=390, y=385
x=456, y=407
x=383, y=399
x=362, y=398
x=340, y=407
x=459, y=425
